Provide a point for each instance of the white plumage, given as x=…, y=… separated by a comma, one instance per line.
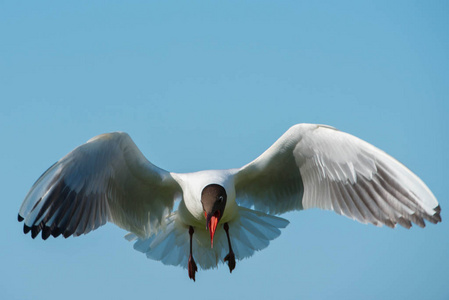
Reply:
x=109, y=179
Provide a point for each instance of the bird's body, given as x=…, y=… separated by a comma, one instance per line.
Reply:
x=223, y=214
x=192, y=185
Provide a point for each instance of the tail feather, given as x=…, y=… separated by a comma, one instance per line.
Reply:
x=249, y=231
x=253, y=231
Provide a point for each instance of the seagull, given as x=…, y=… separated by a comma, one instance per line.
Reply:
x=175, y=217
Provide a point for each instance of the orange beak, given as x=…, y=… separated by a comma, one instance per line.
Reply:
x=212, y=222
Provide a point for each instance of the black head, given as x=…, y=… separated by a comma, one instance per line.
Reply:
x=213, y=199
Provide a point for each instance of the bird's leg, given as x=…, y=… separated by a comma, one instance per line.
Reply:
x=192, y=264
x=230, y=258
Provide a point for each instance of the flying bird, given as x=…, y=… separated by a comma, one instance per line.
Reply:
x=213, y=216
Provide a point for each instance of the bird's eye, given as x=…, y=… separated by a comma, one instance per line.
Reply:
x=220, y=198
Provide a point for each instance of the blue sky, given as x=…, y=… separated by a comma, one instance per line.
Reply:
x=211, y=85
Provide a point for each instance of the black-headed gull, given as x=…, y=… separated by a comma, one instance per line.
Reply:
x=109, y=179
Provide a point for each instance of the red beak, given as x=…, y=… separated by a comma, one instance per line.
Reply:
x=212, y=222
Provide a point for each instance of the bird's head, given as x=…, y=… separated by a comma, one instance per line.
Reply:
x=213, y=199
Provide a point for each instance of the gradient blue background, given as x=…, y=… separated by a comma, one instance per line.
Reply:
x=212, y=84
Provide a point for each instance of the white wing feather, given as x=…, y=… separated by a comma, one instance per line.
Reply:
x=106, y=179
x=319, y=166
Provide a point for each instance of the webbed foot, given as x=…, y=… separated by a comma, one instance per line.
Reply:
x=230, y=258
x=192, y=268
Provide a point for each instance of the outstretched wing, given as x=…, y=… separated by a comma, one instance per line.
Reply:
x=106, y=179
x=319, y=166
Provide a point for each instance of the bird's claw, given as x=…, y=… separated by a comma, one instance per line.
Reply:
x=230, y=258
x=192, y=268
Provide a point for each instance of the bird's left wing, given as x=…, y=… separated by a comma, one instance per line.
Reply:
x=319, y=166
x=106, y=179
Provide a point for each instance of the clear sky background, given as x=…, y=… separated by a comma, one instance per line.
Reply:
x=211, y=85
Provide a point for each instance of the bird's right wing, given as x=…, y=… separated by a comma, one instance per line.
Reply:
x=320, y=166
x=106, y=179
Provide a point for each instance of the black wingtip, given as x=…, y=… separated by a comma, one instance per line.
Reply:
x=35, y=231
x=26, y=229
x=20, y=218
x=46, y=231
x=56, y=232
x=437, y=213
x=67, y=233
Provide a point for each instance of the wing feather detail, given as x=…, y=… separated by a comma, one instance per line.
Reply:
x=106, y=179
x=317, y=166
